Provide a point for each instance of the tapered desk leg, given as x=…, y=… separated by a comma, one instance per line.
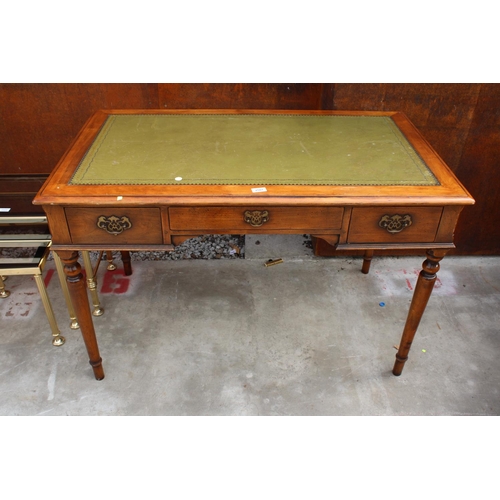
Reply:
x=423, y=290
x=127, y=266
x=78, y=291
x=367, y=260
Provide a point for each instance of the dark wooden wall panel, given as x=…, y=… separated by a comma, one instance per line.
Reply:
x=241, y=96
x=478, y=231
x=39, y=121
x=461, y=122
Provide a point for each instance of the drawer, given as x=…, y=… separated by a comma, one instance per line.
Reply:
x=120, y=225
x=255, y=219
x=394, y=224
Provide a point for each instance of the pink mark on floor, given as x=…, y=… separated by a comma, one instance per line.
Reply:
x=115, y=282
x=401, y=281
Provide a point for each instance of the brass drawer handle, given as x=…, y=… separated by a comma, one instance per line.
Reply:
x=395, y=223
x=256, y=217
x=113, y=224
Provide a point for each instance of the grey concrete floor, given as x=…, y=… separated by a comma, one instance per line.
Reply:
x=232, y=337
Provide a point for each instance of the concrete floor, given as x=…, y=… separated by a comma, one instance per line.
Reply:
x=232, y=337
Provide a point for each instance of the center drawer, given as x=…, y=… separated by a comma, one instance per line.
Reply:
x=255, y=219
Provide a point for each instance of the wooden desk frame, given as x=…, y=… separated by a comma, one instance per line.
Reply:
x=350, y=217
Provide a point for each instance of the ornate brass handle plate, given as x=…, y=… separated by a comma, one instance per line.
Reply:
x=113, y=224
x=395, y=223
x=256, y=217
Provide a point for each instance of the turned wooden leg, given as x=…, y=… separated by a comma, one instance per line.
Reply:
x=78, y=292
x=423, y=290
x=367, y=260
x=127, y=266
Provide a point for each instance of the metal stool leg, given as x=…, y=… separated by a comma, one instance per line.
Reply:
x=109, y=258
x=92, y=284
x=58, y=339
x=3, y=292
x=74, y=325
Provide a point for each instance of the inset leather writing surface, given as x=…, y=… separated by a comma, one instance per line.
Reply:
x=251, y=149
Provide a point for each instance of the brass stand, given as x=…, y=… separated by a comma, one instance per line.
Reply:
x=32, y=266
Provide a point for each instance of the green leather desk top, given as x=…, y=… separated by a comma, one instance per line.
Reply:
x=251, y=149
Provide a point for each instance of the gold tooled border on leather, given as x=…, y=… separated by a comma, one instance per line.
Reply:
x=93, y=150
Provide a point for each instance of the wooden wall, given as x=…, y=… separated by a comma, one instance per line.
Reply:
x=461, y=121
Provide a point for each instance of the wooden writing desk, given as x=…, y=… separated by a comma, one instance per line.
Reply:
x=149, y=179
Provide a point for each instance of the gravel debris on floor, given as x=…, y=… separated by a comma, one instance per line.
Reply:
x=212, y=246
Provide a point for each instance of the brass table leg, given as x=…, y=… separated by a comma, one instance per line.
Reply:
x=423, y=290
x=109, y=258
x=3, y=292
x=92, y=284
x=57, y=339
x=78, y=293
x=64, y=285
